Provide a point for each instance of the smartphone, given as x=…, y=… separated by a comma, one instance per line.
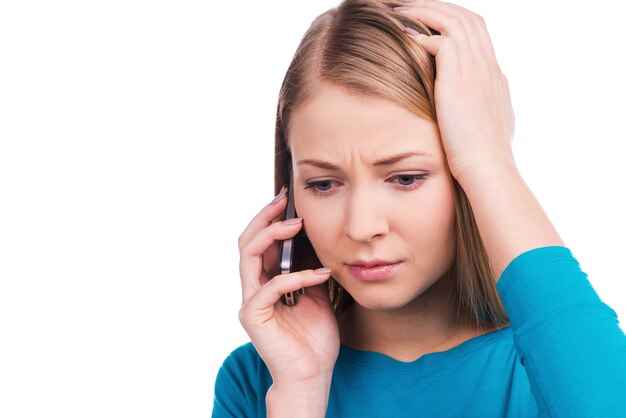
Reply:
x=287, y=249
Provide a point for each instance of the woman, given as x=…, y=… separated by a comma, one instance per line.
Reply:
x=444, y=289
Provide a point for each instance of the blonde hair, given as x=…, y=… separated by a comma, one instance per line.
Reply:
x=361, y=45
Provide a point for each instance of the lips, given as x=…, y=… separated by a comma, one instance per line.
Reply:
x=371, y=263
x=373, y=270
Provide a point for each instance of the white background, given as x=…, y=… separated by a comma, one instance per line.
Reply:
x=137, y=143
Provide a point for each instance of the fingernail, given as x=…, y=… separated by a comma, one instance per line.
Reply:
x=293, y=221
x=411, y=31
x=323, y=271
x=417, y=36
x=279, y=196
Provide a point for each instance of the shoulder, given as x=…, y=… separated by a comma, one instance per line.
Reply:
x=242, y=357
x=243, y=365
x=241, y=383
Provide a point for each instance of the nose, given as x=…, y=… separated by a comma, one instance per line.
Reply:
x=365, y=217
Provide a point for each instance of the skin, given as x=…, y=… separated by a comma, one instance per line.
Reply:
x=361, y=210
x=300, y=344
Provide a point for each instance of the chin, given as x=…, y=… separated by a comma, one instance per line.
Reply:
x=378, y=301
x=383, y=297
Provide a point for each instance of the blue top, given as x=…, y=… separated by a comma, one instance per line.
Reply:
x=564, y=355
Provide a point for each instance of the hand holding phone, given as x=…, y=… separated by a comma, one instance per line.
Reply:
x=309, y=341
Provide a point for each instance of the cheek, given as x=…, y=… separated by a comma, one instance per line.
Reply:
x=431, y=221
x=444, y=211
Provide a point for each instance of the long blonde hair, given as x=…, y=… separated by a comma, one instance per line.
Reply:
x=361, y=45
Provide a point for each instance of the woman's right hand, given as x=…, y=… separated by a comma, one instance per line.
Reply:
x=299, y=344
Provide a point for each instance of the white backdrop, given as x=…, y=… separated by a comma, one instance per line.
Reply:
x=136, y=143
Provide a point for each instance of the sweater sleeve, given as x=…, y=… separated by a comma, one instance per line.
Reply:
x=568, y=340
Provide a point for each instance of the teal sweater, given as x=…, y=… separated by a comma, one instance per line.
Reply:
x=564, y=355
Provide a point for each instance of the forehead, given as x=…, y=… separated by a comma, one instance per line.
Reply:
x=337, y=121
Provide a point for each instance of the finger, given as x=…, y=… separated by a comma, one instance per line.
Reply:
x=474, y=25
x=458, y=51
x=476, y=21
x=251, y=253
x=472, y=21
x=265, y=217
x=438, y=19
x=268, y=295
x=431, y=43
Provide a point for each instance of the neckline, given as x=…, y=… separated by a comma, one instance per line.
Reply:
x=379, y=360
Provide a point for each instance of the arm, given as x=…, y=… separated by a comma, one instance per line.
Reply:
x=568, y=340
x=476, y=122
x=510, y=219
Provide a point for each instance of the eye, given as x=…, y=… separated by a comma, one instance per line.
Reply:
x=320, y=187
x=408, y=181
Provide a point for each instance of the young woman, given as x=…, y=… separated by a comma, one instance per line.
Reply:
x=435, y=283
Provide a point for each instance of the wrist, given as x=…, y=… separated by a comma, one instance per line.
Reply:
x=303, y=400
x=508, y=215
x=482, y=174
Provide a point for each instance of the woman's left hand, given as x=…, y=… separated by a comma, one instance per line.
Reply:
x=472, y=99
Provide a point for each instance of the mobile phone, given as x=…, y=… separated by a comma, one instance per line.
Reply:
x=287, y=250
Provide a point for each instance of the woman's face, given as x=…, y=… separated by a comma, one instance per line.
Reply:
x=372, y=187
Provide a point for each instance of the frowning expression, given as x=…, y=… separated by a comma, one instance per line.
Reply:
x=376, y=197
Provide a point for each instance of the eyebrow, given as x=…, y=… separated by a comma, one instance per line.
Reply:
x=382, y=162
